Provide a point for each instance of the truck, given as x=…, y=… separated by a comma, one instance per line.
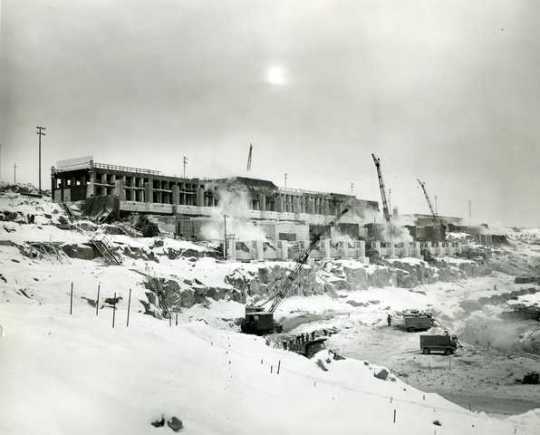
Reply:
x=417, y=322
x=438, y=343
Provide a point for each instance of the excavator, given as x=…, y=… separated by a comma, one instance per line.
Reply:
x=259, y=318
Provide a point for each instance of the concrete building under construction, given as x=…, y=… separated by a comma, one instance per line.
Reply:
x=187, y=203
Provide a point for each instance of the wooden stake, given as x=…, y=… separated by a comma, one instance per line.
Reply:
x=176, y=319
x=394, y=415
x=71, y=300
x=129, y=308
x=114, y=309
x=97, y=299
x=278, y=366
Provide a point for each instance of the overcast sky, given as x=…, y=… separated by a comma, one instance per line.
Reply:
x=448, y=91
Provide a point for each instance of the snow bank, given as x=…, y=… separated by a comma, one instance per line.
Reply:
x=66, y=374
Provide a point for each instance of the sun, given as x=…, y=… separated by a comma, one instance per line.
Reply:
x=275, y=75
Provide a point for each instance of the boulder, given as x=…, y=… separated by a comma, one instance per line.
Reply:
x=82, y=252
x=381, y=374
x=175, y=424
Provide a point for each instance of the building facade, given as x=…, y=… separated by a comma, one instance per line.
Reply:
x=287, y=214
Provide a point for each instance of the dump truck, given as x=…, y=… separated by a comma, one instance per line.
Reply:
x=414, y=320
x=417, y=322
x=438, y=343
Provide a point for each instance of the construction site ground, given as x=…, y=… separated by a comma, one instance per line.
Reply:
x=476, y=377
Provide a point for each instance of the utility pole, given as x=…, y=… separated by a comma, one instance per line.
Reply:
x=0, y=161
x=185, y=164
x=40, y=132
x=285, y=175
x=225, y=236
x=470, y=209
x=352, y=188
x=14, y=173
x=436, y=205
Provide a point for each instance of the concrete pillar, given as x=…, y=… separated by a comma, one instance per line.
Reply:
x=377, y=247
x=392, y=250
x=417, y=250
x=91, y=188
x=406, y=249
x=175, y=194
x=326, y=248
x=119, y=190
x=262, y=201
x=259, y=246
x=200, y=196
x=346, y=251
x=284, y=249
x=148, y=192
x=231, y=249
x=361, y=249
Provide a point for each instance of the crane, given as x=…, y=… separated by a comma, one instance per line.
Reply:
x=386, y=209
x=438, y=224
x=250, y=154
x=428, y=200
x=258, y=319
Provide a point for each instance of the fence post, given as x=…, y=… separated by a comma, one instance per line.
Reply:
x=129, y=308
x=394, y=415
x=97, y=299
x=114, y=309
x=71, y=299
x=278, y=366
x=177, y=318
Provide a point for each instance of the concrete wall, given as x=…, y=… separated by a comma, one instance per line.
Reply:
x=283, y=250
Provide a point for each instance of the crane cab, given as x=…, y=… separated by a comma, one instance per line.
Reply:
x=259, y=322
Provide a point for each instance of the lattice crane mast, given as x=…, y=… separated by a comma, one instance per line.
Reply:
x=428, y=200
x=386, y=209
x=259, y=320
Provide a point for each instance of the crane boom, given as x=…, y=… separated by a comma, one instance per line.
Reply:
x=259, y=320
x=301, y=260
x=386, y=209
x=428, y=200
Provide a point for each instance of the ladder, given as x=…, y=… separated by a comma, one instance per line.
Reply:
x=103, y=247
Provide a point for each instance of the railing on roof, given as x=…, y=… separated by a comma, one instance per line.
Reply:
x=124, y=168
x=90, y=164
x=311, y=192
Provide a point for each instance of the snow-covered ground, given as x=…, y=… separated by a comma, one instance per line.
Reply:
x=65, y=374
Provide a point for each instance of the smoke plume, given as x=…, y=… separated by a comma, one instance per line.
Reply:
x=234, y=205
